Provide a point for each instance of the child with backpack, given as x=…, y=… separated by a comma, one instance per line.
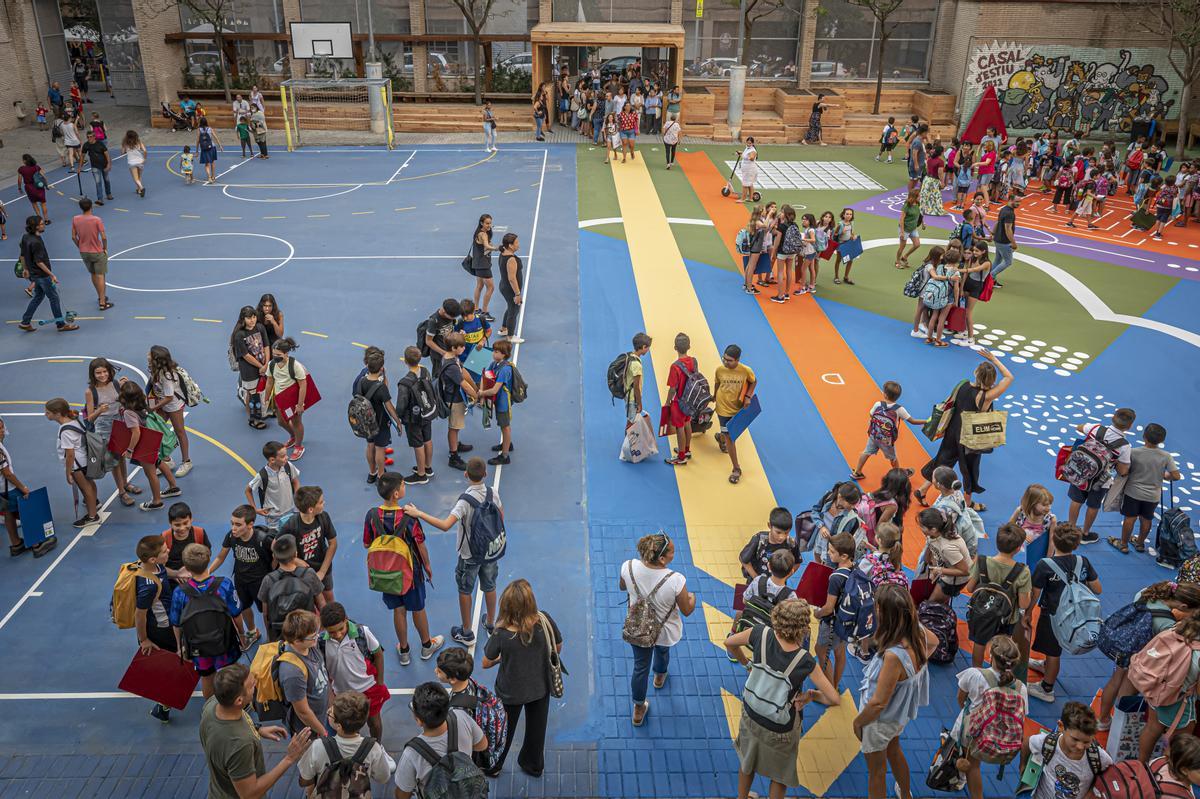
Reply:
x=1052, y=577
x=417, y=407
x=947, y=559
x=272, y=490
x=315, y=535
x=1067, y=761
x=1000, y=588
x=1149, y=465
x=500, y=386
x=283, y=372
x=478, y=516
x=884, y=562
x=1179, y=769
x=994, y=704
x=808, y=255
x=1035, y=517
x=951, y=499
x=442, y=755
x=152, y=601
x=291, y=586
x=1165, y=672
x=372, y=387
x=354, y=662
x=300, y=671
x=842, y=519
x=203, y=607
x=1090, y=465
x=251, y=550
x=888, y=139
x=187, y=165
x=457, y=388
x=406, y=557
x=888, y=503
x=675, y=419
x=734, y=384
x=883, y=428
x=181, y=533
x=839, y=613
x=756, y=555
x=1154, y=610
x=345, y=763
x=454, y=667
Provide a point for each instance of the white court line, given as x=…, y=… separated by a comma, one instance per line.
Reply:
x=70, y=174
x=407, y=161
x=75, y=257
x=616, y=220
x=477, y=610
x=282, y=263
x=235, y=166
x=123, y=695
x=353, y=187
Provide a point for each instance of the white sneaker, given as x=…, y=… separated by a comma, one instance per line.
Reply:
x=1037, y=692
x=183, y=469
x=516, y=340
x=916, y=334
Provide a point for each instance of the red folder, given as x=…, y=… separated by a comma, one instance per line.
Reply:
x=921, y=590
x=286, y=400
x=147, y=446
x=814, y=584
x=162, y=677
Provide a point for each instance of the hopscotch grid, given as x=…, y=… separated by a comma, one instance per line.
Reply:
x=811, y=175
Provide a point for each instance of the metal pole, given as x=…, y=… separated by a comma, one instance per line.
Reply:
x=737, y=78
x=370, y=34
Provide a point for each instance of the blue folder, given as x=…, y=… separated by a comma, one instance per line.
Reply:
x=851, y=249
x=742, y=419
x=37, y=524
x=478, y=360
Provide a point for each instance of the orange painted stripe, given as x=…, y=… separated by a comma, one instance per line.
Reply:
x=818, y=353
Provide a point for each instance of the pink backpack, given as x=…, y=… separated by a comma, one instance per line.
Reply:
x=1160, y=670
x=868, y=509
x=995, y=724
x=881, y=571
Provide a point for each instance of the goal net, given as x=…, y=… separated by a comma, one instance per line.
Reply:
x=347, y=104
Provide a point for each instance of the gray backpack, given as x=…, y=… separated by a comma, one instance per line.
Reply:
x=344, y=777
x=453, y=775
x=95, y=449
x=642, y=624
x=769, y=692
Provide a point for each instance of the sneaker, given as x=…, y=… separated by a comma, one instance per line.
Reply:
x=371, y=478
x=779, y=300
x=184, y=469
x=1089, y=538
x=515, y=340
x=462, y=635
x=84, y=521
x=405, y=655
x=435, y=644
x=99, y=202
x=251, y=638
x=414, y=479
x=173, y=491
x=429, y=473
x=499, y=460
x=1036, y=691
x=456, y=463
x=490, y=628
x=148, y=506
x=297, y=454
x=916, y=334
x=39, y=550
x=161, y=713
x=1103, y=726
x=291, y=442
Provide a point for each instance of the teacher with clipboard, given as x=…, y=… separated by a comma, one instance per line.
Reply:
x=734, y=385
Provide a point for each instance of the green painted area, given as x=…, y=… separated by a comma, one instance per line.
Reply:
x=1031, y=303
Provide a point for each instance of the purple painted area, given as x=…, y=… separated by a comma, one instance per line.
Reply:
x=888, y=204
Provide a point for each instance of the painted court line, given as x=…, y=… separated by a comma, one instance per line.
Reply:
x=407, y=161
x=616, y=220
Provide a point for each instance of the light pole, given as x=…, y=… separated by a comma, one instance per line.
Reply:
x=737, y=78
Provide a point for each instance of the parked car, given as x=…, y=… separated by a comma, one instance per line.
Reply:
x=521, y=62
x=618, y=65
x=204, y=61
x=828, y=69
x=711, y=67
x=431, y=59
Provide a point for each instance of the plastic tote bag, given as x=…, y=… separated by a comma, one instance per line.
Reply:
x=640, y=441
x=1128, y=721
x=984, y=431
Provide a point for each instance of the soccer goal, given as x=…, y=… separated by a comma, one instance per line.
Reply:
x=346, y=104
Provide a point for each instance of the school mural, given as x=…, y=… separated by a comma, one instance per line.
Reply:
x=1072, y=89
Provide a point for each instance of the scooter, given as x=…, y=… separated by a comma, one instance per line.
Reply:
x=728, y=189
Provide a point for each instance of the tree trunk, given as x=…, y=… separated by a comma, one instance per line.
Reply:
x=746, y=45
x=477, y=46
x=487, y=66
x=220, y=41
x=1182, y=137
x=879, y=71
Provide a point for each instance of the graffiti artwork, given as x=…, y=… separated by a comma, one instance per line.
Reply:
x=1073, y=90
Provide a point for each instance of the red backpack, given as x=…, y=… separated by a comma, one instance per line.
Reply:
x=1133, y=779
x=995, y=724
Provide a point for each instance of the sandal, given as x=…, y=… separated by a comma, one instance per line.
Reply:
x=721, y=442
x=1140, y=546
x=132, y=489
x=940, y=343
x=735, y=475
x=848, y=282
x=837, y=281
x=106, y=306
x=127, y=500
x=920, y=495
x=979, y=507
x=1118, y=545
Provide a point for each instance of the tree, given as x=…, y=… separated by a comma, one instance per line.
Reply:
x=881, y=10
x=218, y=14
x=756, y=10
x=1177, y=21
x=476, y=13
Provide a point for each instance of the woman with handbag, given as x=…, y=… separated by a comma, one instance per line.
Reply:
x=652, y=626
x=525, y=645
x=975, y=396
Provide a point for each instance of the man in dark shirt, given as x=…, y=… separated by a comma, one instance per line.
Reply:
x=101, y=162
x=1004, y=236
x=45, y=283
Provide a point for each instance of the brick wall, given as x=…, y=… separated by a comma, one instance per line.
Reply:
x=20, y=63
x=161, y=62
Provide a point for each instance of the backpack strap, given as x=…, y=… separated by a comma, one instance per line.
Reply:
x=1058, y=572
x=418, y=745
x=262, y=485
x=981, y=568
x=364, y=750
x=214, y=586
x=332, y=750
x=762, y=585
x=1093, y=759
x=1049, y=744
x=1011, y=577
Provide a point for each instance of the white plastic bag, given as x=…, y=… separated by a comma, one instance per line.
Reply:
x=640, y=441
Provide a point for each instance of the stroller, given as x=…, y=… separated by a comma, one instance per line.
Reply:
x=178, y=121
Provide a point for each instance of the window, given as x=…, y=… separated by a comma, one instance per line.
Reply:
x=615, y=11
x=711, y=45
x=848, y=36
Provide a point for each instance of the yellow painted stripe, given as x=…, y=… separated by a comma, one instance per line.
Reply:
x=230, y=217
x=317, y=335
x=510, y=191
x=360, y=346
x=201, y=319
x=318, y=216
x=86, y=318
x=447, y=202
x=221, y=447
x=122, y=210
x=152, y=213
x=481, y=197
x=149, y=317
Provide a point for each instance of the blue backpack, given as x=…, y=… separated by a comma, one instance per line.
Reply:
x=854, y=617
x=485, y=535
x=742, y=241
x=1174, y=540
x=1127, y=632
x=1078, y=620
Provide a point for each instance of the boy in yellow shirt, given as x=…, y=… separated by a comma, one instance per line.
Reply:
x=734, y=385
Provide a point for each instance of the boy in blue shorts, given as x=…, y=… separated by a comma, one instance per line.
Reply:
x=389, y=519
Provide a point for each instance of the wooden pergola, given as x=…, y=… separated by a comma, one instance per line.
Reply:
x=548, y=35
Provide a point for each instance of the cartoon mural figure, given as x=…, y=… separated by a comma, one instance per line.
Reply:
x=1074, y=96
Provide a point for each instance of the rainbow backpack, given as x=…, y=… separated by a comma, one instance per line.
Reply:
x=391, y=559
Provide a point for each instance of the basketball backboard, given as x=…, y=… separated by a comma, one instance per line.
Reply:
x=321, y=40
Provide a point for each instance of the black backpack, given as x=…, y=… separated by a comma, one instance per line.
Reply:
x=616, y=375
x=361, y=413
x=344, y=777
x=262, y=481
x=991, y=604
x=485, y=536
x=205, y=624
x=453, y=775
x=290, y=592
x=423, y=399
x=204, y=140
x=448, y=392
x=758, y=608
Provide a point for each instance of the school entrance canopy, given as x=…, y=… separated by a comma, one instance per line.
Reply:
x=548, y=35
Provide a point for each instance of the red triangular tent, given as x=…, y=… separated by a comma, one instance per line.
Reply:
x=987, y=115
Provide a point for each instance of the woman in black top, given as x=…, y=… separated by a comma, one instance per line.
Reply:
x=270, y=316
x=813, y=134
x=978, y=395
x=481, y=264
x=512, y=281
x=518, y=645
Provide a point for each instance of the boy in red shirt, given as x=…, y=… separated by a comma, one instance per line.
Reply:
x=674, y=417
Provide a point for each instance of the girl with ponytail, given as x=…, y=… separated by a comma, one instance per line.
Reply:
x=884, y=563
x=72, y=452
x=973, y=686
x=946, y=557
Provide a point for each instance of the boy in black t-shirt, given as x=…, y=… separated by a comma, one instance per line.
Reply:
x=372, y=385
x=439, y=325
x=182, y=533
x=756, y=555
x=417, y=430
x=316, y=538
x=251, y=548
